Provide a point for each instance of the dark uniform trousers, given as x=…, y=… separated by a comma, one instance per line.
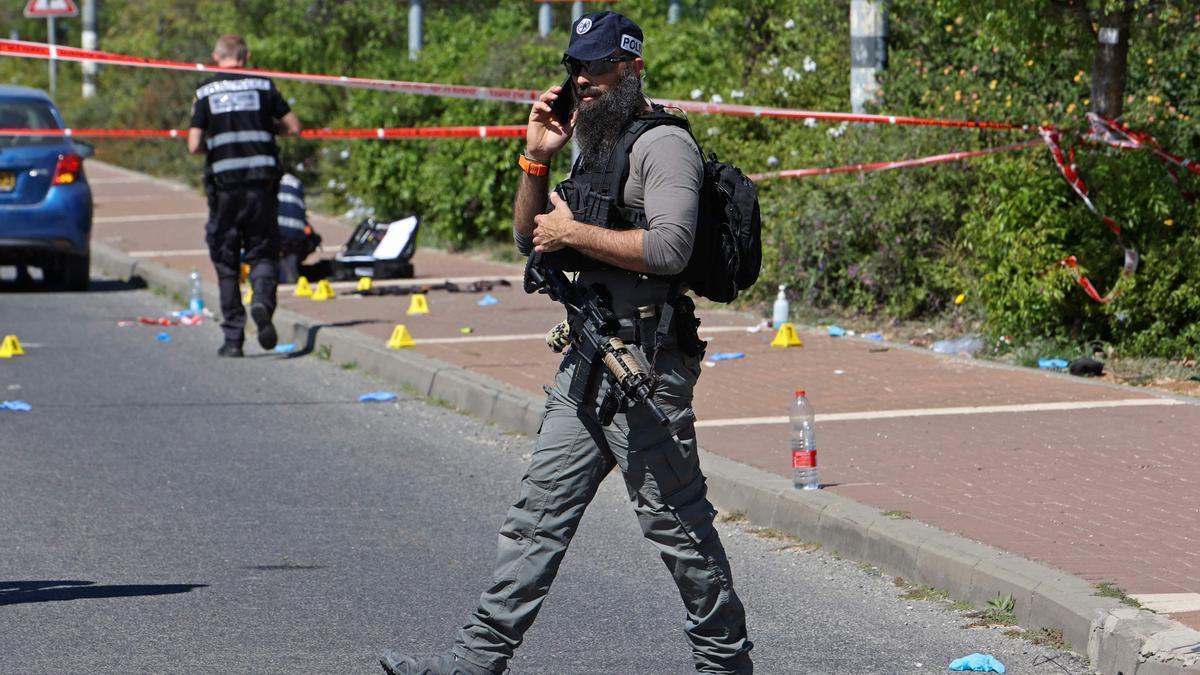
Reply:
x=243, y=218
x=662, y=473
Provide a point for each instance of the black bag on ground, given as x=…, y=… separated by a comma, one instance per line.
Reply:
x=378, y=250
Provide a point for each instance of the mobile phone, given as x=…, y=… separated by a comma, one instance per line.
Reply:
x=565, y=103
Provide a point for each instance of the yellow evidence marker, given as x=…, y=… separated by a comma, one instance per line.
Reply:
x=418, y=304
x=401, y=338
x=786, y=337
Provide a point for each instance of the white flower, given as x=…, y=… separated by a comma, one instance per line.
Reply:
x=291, y=100
x=774, y=61
x=716, y=98
x=790, y=24
x=737, y=93
x=345, y=154
x=713, y=131
x=697, y=93
x=791, y=74
x=772, y=161
x=300, y=166
x=809, y=65
x=810, y=122
x=332, y=184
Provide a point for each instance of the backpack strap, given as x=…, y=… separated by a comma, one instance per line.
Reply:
x=617, y=167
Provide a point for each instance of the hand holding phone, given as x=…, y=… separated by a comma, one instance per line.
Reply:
x=565, y=103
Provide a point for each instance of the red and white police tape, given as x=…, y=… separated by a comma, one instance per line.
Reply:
x=383, y=133
x=38, y=50
x=899, y=164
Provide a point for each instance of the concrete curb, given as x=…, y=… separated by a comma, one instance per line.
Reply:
x=1117, y=639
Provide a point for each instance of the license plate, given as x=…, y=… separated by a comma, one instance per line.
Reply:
x=8, y=181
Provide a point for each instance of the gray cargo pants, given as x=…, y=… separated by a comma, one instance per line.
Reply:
x=662, y=473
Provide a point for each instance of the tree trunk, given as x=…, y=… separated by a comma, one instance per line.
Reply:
x=1111, y=62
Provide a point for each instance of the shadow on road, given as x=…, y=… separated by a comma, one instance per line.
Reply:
x=20, y=592
x=310, y=341
x=20, y=285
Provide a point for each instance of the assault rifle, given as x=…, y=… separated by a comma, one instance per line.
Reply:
x=593, y=333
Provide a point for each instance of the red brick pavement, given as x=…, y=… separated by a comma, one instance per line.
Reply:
x=1109, y=494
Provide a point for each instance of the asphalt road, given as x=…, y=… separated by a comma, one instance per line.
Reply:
x=163, y=510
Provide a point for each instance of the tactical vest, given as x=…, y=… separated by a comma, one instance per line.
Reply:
x=597, y=197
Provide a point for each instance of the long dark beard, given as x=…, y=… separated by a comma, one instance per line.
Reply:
x=601, y=120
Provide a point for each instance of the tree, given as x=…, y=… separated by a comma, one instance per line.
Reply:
x=1105, y=27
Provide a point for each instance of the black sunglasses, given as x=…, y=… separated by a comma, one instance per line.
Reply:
x=594, y=67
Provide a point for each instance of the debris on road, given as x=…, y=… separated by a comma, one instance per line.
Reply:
x=163, y=337
x=727, y=356
x=377, y=397
x=977, y=662
x=487, y=300
x=286, y=348
x=966, y=345
x=1052, y=364
x=836, y=331
x=15, y=406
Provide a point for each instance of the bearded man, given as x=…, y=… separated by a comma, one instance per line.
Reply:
x=633, y=257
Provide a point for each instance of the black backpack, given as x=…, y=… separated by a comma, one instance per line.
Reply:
x=727, y=253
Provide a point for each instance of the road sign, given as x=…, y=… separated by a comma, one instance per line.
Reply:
x=48, y=9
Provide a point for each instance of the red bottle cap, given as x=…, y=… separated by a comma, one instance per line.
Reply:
x=800, y=392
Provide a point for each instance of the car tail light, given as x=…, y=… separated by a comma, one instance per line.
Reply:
x=68, y=169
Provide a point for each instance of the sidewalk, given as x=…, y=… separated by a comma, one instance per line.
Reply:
x=1034, y=483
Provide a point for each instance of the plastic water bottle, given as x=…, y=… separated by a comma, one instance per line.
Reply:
x=780, y=314
x=195, y=299
x=804, y=444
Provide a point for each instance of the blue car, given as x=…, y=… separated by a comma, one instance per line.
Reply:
x=45, y=201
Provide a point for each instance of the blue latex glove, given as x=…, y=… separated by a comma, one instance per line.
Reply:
x=487, y=301
x=978, y=662
x=1052, y=364
x=285, y=348
x=878, y=337
x=726, y=356
x=15, y=406
x=836, y=331
x=377, y=396
x=164, y=337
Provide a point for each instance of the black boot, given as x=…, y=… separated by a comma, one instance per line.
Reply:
x=267, y=337
x=230, y=349
x=396, y=663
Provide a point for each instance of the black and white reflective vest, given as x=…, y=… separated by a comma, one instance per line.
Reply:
x=293, y=217
x=237, y=114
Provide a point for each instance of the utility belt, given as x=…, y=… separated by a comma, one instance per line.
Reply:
x=647, y=329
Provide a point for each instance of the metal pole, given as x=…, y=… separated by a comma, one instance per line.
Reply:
x=868, y=50
x=544, y=19
x=52, y=38
x=674, y=10
x=576, y=11
x=415, y=29
x=89, y=42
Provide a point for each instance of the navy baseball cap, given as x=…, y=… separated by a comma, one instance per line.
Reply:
x=595, y=36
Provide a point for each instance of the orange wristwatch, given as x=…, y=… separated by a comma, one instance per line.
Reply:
x=531, y=167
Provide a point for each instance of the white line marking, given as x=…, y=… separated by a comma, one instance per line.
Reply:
x=1169, y=603
x=113, y=181
x=149, y=217
x=959, y=410
x=535, y=336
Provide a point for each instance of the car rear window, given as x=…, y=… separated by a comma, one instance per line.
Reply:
x=17, y=114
